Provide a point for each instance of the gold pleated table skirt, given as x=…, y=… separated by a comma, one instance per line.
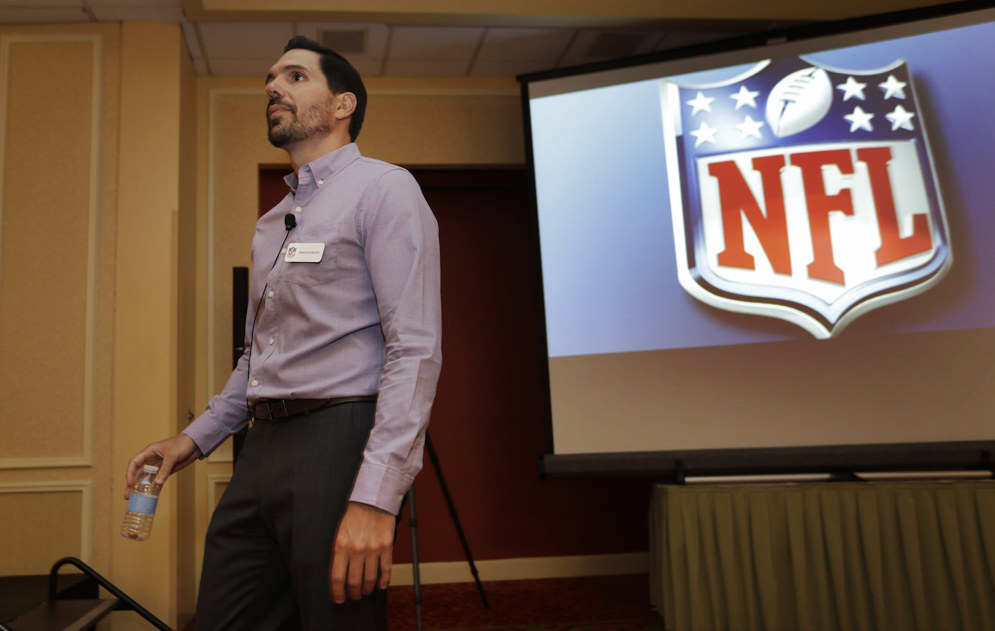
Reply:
x=888, y=556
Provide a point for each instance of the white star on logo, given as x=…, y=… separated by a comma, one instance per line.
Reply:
x=745, y=97
x=859, y=119
x=750, y=127
x=893, y=88
x=900, y=118
x=704, y=134
x=700, y=103
x=852, y=88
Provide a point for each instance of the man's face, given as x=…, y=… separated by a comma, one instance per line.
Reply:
x=300, y=104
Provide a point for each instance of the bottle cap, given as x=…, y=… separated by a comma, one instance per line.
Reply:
x=150, y=468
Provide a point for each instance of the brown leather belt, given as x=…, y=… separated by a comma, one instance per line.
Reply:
x=276, y=410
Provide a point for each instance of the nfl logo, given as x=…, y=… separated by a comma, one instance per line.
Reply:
x=806, y=193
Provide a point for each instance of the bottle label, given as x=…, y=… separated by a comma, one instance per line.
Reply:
x=140, y=503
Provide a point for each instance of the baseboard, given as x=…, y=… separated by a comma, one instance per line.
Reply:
x=523, y=568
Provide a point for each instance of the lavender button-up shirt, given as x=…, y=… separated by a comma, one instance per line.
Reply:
x=365, y=319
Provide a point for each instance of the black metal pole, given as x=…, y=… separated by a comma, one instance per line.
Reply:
x=413, y=519
x=129, y=603
x=434, y=457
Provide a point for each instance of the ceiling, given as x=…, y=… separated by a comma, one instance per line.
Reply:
x=465, y=39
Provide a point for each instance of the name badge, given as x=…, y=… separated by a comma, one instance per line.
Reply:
x=304, y=252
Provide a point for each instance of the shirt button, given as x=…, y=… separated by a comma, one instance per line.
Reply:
x=321, y=182
x=255, y=382
x=272, y=341
x=298, y=209
x=270, y=294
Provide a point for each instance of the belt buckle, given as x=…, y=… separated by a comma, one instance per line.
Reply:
x=273, y=413
x=267, y=404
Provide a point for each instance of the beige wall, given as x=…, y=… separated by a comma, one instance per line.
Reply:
x=94, y=203
x=58, y=160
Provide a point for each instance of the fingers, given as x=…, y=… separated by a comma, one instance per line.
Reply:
x=352, y=577
x=362, y=577
x=165, y=468
x=385, y=565
x=336, y=577
x=362, y=553
x=146, y=456
x=169, y=455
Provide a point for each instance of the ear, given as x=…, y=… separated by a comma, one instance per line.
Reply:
x=345, y=105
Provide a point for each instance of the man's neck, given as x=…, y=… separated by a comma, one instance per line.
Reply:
x=308, y=150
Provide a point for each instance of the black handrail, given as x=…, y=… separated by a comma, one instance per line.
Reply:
x=106, y=584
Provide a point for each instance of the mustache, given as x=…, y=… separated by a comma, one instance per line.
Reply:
x=276, y=101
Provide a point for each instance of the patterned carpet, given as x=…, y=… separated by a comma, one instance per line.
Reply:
x=608, y=603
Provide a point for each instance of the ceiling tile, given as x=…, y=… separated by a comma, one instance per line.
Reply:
x=591, y=46
x=44, y=15
x=250, y=48
x=397, y=68
x=138, y=14
x=200, y=67
x=367, y=68
x=40, y=4
x=175, y=4
x=426, y=43
x=376, y=38
x=524, y=44
x=230, y=67
x=245, y=40
x=509, y=68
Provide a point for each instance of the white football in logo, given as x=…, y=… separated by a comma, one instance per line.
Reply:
x=799, y=101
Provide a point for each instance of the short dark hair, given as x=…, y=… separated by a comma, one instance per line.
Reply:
x=340, y=75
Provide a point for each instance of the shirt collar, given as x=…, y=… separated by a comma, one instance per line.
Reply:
x=321, y=169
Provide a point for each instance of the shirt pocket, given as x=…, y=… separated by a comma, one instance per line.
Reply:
x=323, y=271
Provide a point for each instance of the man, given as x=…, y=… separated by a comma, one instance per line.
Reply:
x=339, y=373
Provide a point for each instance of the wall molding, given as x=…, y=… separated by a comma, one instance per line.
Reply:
x=523, y=568
x=83, y=487
x=86, y=456
x=213, y=481
x=220, y=455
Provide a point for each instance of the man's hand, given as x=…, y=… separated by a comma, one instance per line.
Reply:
x=363, y=549
x=171, y=455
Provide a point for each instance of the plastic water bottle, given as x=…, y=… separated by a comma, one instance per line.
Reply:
x=141, y=505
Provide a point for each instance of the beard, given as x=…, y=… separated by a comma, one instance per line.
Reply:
x=313, y=121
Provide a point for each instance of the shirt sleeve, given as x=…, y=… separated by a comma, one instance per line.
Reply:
x=226, y=413
x=401, y=248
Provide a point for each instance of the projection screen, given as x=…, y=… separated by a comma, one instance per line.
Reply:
x=772, y=256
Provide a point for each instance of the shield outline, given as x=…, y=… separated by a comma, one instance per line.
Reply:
x=778, y=302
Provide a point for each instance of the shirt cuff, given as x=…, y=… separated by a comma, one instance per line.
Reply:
x=380, y=487
x=205, y=442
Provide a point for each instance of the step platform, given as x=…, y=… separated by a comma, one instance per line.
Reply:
x=24, y=606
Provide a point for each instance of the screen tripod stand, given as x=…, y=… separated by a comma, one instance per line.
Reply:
x=413, y=519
